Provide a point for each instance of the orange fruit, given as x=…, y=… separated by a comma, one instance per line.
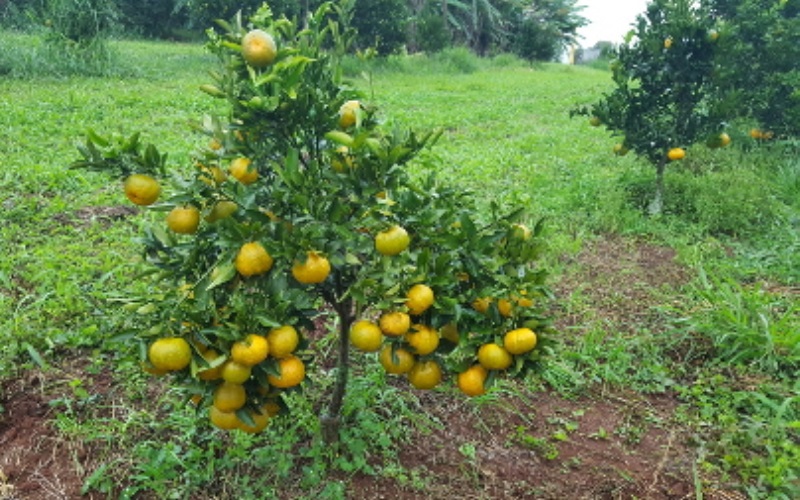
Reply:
x=471, y=381
x=494, y=357
x=419, y=299
x=423, y=339
x=481, y=304
x=620, y=149
x=170, y=354
x=260, y=421
x=259, y=49
x=253, y=259
x=504, y=306
x=668, y=43
x=210, y=373
x=212, y=176
x=348, y=114
x=242, y=171
x=392, y=241
x=520, y=232
x=271, y=408
x=519, y=341
x=425, y=374
x=342, y=161
x=675, y=154
x=229, y=396
x=223, y=419
x=184, y=220
x=366, y=336
x=250, y=351
x=450, y=332
x=234, y=372
x=396, y=361
x=395, y=323
x=293, y=371
x=221, y=210
x=595, y=121
x=282, y=341
x=142, y=189
x=314, y=270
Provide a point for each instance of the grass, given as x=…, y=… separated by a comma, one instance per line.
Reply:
x=730, y=349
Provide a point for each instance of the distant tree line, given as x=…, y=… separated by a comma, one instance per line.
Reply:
x=533, y=29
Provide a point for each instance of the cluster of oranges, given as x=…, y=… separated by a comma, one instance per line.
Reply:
x=271, y=357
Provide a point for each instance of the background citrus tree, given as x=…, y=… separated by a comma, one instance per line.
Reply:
x=300, y=217
x=665, y=94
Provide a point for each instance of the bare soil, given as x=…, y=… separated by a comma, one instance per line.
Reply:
x=604, y=445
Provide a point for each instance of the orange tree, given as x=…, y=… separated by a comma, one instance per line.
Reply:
x=300, y=213
x=665, y=97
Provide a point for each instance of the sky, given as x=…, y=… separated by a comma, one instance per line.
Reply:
x=609, y=19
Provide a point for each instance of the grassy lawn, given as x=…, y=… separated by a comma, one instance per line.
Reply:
x=679, y=335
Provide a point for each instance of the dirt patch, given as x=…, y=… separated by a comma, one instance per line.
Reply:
x=622, y=282
x=87, y=216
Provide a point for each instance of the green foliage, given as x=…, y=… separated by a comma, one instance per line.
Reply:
x=759, y=42
x=153, y=18
x=380, y=24
x=544, y=28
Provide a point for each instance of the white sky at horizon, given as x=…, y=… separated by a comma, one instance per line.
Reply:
x=609, y=19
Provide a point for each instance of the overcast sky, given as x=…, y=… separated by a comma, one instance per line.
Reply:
x=609, y=19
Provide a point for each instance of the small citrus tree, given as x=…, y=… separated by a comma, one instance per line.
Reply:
x=665, y=96
x=301, y=213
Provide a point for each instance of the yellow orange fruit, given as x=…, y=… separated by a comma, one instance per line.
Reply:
x=314, y=270
x=229, y=397
x=213, y=373
x=283, y=341
x=505, y=307
x=234, y=372
x=142, y=189
x=366, y=336
x=250, y=351
x=226, y=420
x=221, y=210
x=184, y=220
x=419, y=298
x=395, y=323
x=675, y=154
x=253, y=259
x=481, y=304
x=292, y=370
x=242, y=170
x=170, y=354
x=425, y=375
x=396, y=361
x=520, y=341
x=259, y=48
x=472, y=381
x=422, y=339
x=392, y=241
x=348, y=114
x=494, y=357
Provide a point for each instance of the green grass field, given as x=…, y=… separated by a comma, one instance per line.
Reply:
x=699, y=306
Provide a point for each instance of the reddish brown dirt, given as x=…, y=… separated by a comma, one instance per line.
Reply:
x=525, y=445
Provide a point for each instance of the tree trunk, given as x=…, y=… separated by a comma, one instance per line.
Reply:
x=332, y=418
x=657, y=204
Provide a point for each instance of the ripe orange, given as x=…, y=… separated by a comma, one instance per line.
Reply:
x=471, y=381
x=170, y=354
x=756, y=133
x=423, y=339
x=253, y=259
x=481, y=304
x=271, y=408
x=395, y=323
x=519, y=341
x=293, y=371
x=210, y=373
x=234, y=372
x=392, y=241
x=366, y=336
x=221, y=210
x=675, y=154
x=425, y=374
x=282, y=341
x=242, y=171
x=494, y=357
x=348, y=114
x=260, y=421
x=223, y=419
x=184, y=220
x=212, y=176
x=419, y=299
x=396, y=361
x=520, y=232
x=142, y=189
x=229, y=396
x=250, y=351
x=342, y=161
x=259, y=49
x=668, y=43
x=505, y=307
x=314, y=270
